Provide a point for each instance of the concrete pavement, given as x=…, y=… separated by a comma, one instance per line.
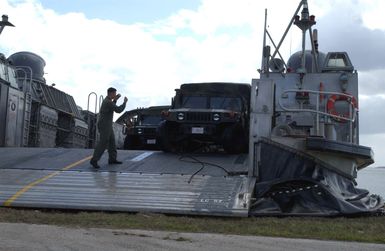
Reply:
x=20, y=237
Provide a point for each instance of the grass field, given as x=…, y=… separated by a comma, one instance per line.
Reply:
x=362, y=229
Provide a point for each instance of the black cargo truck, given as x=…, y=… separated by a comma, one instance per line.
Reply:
x=207, y=116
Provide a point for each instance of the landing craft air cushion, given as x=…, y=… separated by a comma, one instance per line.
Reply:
x=303, y=148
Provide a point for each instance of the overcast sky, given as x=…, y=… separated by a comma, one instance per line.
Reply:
x=147, y=48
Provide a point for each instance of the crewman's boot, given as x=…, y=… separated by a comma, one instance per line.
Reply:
x=94, y=164
x=111, y=162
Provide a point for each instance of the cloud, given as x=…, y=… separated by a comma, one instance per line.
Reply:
x=372, y=118
x=372, y=82
x=376, y=142
x=85, y=55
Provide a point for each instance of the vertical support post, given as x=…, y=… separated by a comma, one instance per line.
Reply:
x=313, y=39
x=261, y=119
x=253, y=137
x=264, y=57
x=351, y=118
x=317, y=116
x=303, y=61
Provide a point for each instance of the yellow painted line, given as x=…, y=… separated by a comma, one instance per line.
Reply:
x=8, y=202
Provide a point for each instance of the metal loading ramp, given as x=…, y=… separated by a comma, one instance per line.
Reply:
x=145, y=182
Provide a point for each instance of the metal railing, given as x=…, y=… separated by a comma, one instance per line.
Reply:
x=353, y=111
x=27, y=82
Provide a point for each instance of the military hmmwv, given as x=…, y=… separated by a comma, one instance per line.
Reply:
x=290, y=146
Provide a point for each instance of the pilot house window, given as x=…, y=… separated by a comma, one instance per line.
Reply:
x=337, y=60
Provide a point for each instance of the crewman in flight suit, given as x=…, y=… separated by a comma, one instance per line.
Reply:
x=107, y=138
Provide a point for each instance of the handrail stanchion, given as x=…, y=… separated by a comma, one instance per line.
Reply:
x=96, y=101
x=317, y=116
x=101, y=98
x=91, y=141
x=350, y=125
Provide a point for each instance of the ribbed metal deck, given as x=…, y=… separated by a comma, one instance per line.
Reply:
x=146, y=181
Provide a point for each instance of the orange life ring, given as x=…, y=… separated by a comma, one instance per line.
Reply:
x=332, y=110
